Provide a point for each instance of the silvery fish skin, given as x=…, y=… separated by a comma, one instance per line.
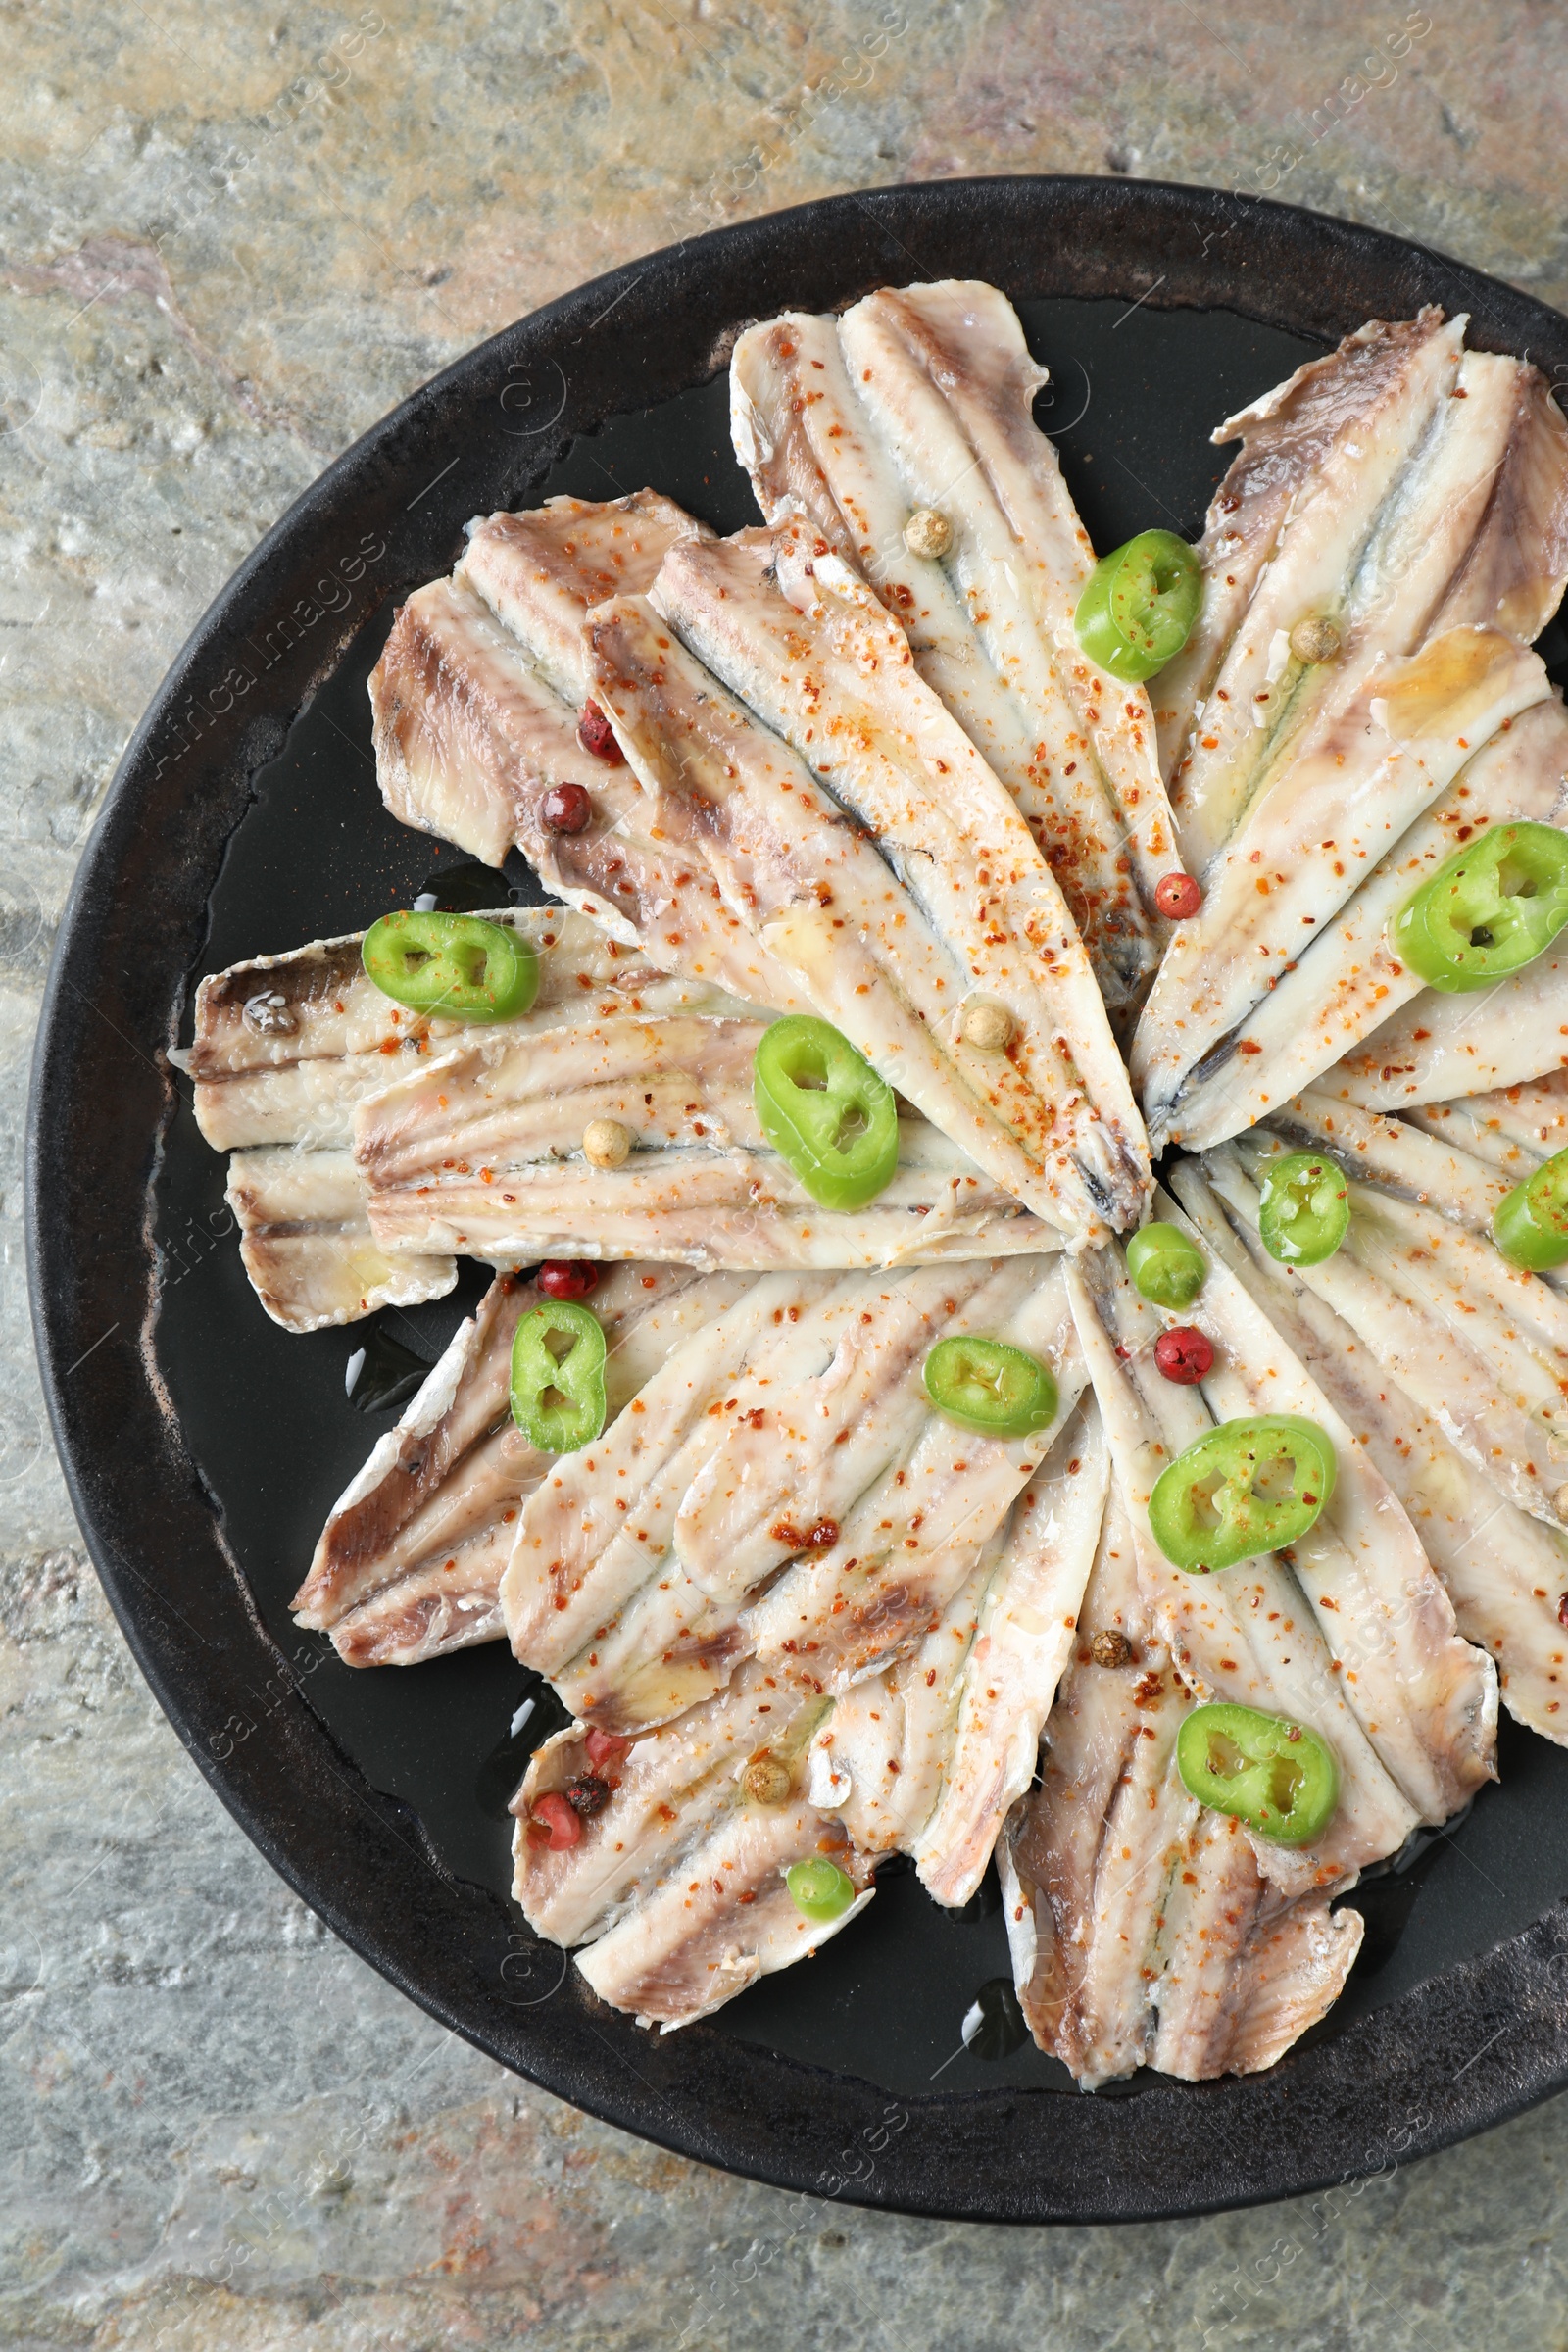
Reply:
x=1141, y=1928
x=409, y=1562
x=1400, y=488
x=1504, y=1572
x=1323, y=448
x=1414, y=496
x=477, y=700
x=785, y=624
x=1260, y=1635
x=286, y=1048
x=1352, y=1017
x=675, y=1893
x=923, y=399
x=481, y=1151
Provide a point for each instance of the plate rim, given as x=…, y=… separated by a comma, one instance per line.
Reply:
x=1005, y=2154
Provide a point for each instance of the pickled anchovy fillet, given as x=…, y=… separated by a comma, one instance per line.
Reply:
x=1024, y=1635
x=676, y=1888
x=1288, y=960
x=1348, y=984
x=1413, y=498
x=1431, y=1170
x=791, y=630
x=779, y=1427
x=481, y=1151
x=1513, y=1128
x=1438, y=498
x=1142, y=1930
x=409, y=1562
x=671, y=1787
x=476, y=700
x=947, y=1741
x=923, y=399
x=1407, y=1721
x=285, y=1049
x=916, y=1535
x=1482, y=1344
x=306, y=1242
x=287, y=1045
x=1426, y=1700
x=1323, y=447
x=1437, y=1047
x=1503, y=1571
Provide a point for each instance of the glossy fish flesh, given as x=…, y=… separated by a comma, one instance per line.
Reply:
x=921, y=400
x=409, y=1562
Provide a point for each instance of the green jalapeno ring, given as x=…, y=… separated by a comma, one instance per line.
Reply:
x=825, y=1111
x=1277, y=1777
x=1530, y=1224
x=1221, y=1501
x=1488, y=911
x=819, y=1889
x=558, y=1402
x=457, y=966
x=1139, y=604
x=1166, y=1266
x=1305, y=1208
x=989, y=1386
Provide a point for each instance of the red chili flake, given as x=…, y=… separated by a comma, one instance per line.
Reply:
x=565, y=809
x=558, y=1819
x=1178, y=895
x=605, y=1747
x=596, y=735
x=820, y=1537
x=1185, y=1356
x=566, y=1278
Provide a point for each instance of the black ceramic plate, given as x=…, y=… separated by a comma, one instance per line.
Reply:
x=204, y=1447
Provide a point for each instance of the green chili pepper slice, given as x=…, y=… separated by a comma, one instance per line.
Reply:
x=1140, y=604
x=824, y=1110
x=989, y=1386
x=1304, y=1209
x=1531, y=1223
x=1278, y=1776
x=558, y=1394
x=1166, y=1268
x=456, y=965
x=1488, y=911
x=1248, y=1487
x=819, y=1888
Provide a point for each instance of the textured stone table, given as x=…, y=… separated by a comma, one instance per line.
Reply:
x=229, y=240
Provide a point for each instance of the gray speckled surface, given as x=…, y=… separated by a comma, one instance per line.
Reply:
x=228, y=243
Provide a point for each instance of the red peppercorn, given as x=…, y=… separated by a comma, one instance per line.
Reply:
x=1562, y=1610
x=596, y=735
x=567, y=809
x=566, y=1278
x=1184, y=1355
x=605, y=1747
x=587, y=1794
x=555, y=1814
x=1178, y=895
